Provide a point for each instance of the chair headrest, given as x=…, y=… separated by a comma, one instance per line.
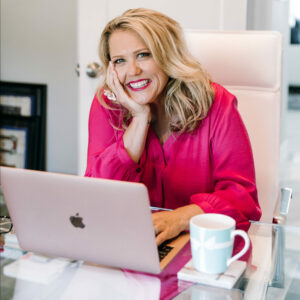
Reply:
x=249, y=59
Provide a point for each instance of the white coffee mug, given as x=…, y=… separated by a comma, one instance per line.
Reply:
x=212, y=237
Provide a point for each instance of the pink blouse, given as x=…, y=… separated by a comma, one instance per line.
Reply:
x=211, y=167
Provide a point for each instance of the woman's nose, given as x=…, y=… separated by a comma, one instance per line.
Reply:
x=133, y=68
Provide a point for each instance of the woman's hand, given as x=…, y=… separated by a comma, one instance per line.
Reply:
x=135, y=135
x=122, y=96
x=169, y=224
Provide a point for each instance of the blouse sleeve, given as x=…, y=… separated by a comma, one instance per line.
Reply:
x=232, y=162
x=107, y=157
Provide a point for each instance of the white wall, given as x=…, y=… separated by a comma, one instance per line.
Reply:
x=38, y=45
x=192, y=14
x=294, y=50
x=274, y=15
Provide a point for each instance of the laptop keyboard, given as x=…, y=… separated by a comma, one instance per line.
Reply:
x=163, y=250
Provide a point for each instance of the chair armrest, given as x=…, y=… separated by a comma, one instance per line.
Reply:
x=282, y=207
x=277, y=275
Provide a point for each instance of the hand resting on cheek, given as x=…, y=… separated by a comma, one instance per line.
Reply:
x=122, y=96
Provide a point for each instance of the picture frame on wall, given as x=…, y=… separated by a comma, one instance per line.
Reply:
x=23, y=125
x=13, y=145
x=294, y=97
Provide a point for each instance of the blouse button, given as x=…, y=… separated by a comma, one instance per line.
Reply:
x=138, y=170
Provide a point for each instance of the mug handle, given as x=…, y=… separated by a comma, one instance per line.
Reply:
x=244, y=235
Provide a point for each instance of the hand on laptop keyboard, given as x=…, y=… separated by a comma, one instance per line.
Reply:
x=170, y=224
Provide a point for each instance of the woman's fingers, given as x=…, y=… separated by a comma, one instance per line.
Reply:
x=166, y=232
x=166, y=225
x=115, y=85
x=118, y=88
x=121, y=94
x=109, y=77
x=161, y=237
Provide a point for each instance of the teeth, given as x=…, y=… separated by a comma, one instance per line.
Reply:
x=139, y=84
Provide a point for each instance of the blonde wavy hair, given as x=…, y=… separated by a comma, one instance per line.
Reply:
x=188, y=93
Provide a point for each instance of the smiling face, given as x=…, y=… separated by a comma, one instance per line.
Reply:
x=139, y=74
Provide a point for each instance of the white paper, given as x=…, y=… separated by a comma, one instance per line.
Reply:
x=224, y=280
x=96, y=282
x=36, y=268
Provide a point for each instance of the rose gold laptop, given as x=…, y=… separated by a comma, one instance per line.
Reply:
x=100, y=221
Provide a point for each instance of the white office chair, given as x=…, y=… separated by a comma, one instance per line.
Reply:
x=248, y=64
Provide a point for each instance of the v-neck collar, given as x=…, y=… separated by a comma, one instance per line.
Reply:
x=166, y=142
x=164, y=148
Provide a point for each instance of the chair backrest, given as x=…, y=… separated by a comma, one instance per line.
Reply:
x=248, y=64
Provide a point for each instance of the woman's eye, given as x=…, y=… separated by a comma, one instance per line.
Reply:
x=118, y=61
x=144, y=54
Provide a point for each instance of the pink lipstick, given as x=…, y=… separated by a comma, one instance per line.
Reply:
x=139, y=85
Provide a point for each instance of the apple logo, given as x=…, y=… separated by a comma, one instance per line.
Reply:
x=76, y=221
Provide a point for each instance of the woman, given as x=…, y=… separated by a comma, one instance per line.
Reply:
x=159, y=119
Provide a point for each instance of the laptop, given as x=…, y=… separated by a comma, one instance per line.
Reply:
x=100, y=221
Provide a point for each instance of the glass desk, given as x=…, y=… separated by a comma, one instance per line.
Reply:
x=272, y=273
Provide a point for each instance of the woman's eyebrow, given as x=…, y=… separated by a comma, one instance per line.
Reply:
x=135, y=52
